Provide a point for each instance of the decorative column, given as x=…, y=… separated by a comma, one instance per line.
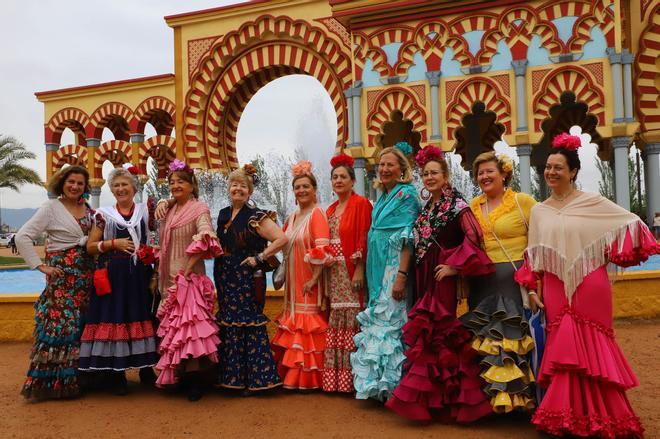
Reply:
x=349, y=107
x=525, y=166
x=652, y=180
x=96, y=197
x=434, y=81
x=373, y=194
x=357, y=113
x=51, y=148
x=621, y=178
x=520, y=69
x=92, y=145
x=617, y=83
x=627, y=59
x=137, y=139
x=360, y=166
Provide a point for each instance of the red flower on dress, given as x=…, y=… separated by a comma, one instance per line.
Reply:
x=145, y=254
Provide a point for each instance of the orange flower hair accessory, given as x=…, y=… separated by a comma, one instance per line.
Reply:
x=303, y=167
x=251, y=170
x=342, y=160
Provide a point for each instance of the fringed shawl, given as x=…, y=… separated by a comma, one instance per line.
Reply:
x=575, y=240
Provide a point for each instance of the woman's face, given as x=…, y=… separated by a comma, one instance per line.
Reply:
x=304, y=191
x=74, y=186
x=557, y=173
x=490, y=179
x=433, y=177
x=181, y=189
x=341, y=181
x=122, y=189
x=389, y=170
x=239, y=191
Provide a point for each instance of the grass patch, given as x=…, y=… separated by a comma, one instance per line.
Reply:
x=8, y=260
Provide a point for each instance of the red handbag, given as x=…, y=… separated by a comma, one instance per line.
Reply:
x=102, y=282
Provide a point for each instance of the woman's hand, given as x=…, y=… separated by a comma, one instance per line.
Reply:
x=125, y=245
x=358, y=280
x=50, y=271
x=399, y=288
x=535, y=302
x=307, y=288
x=250, y=261
x=161, y=209
x=442, y=271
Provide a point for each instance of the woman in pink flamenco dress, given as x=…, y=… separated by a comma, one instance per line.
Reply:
x=299, y=342
x=188, y=331
x=573, y=235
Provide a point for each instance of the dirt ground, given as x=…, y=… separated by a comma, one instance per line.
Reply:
x=152, y=413
x=6, y=251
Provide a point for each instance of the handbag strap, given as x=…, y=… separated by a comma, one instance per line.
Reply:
x=492, y=229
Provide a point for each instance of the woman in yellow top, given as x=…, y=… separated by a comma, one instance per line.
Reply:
x=496, y=314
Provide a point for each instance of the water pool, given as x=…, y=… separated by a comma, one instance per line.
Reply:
x=21, y=281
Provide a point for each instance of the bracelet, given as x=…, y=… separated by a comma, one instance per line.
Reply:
x=260, y=258
x=532, y=293
x=99, y=247
x=113, y=244
x=405, y=273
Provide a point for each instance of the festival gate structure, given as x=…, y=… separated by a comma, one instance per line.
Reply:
x=459, y=74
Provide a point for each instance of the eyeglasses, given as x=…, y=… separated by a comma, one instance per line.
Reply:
x=431, y=174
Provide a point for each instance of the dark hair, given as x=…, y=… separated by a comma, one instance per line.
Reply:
x=350, y=170
x=572, y=158
x=186, y=176
x=56, y=183
x=310, y=176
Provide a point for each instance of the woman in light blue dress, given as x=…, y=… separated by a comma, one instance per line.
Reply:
x=378, y=359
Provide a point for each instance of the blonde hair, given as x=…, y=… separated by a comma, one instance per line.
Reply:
x=406, y=169
x=241, y=176
x=491, y=157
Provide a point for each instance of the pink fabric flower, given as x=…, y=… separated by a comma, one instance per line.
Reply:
x=303, y=167
x=567, y=141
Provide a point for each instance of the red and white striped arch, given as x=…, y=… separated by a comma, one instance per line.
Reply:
x=74, y=119
x=69, y=155
x=647, y=75
x=117, y=152
x=154, y=106
x=396, y=98
x=569, y=78
x=113, y=115
x=161, y=148
x=478, y=89
x=258, y=45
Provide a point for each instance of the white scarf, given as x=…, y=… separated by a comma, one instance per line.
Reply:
x=115, y=221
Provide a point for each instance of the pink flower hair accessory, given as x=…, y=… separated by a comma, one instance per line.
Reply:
x=303, y=167
x=178, y=165
x=428, y=154
x=567, y=141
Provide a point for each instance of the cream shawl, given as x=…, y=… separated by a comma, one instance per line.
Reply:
x=573, y=241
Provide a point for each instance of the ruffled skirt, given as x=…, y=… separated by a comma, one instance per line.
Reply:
x=188, y=330
x=298, y=346
x=583, y=368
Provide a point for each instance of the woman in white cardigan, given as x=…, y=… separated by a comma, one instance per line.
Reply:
x=53, y=371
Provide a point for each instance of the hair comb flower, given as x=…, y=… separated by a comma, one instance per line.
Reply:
x=303, y=167
x=131, y=168
x=505, y=163
x=251, y=170
x=427, y=154
x=404, y=147
x=342, y=160
x=178, y=165
x=567, y=141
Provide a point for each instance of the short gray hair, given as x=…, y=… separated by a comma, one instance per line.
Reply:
x=121, y=172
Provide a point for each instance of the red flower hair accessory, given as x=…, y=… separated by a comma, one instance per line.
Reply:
x=567, y=141
x=131, y=168
x=342, y=160
x=428, y=154
x=303, y=167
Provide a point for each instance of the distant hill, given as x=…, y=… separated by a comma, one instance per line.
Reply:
x=15, y=218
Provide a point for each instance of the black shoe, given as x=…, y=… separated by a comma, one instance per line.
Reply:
x=147, y=376
x=119, y=384
x=194, y=392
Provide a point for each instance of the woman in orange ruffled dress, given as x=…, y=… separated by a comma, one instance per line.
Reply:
x=573, y=235
x=188, y=331
x=299, y=342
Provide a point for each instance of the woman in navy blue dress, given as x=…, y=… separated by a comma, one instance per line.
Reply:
x=246, y=359
x=119, y=333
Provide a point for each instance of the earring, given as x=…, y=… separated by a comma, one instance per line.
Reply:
x=424, y=196
x=251, y=204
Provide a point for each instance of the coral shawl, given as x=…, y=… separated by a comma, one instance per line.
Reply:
x=575, y=240
x=176, y=217
x=353, y=229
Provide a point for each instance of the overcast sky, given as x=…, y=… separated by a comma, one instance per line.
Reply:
x=50, y=44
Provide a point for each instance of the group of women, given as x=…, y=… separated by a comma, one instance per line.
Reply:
x=370, y=293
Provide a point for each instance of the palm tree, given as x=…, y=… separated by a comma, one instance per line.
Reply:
x=12, y=173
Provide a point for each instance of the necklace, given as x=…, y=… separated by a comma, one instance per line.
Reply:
x=560, y=198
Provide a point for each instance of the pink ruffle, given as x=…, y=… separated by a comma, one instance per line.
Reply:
x=584, y=346
x=526, y=277
x=629, y=255
x=208, y=246
x=468, y=259
x=187, y=325
x=442, y=370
